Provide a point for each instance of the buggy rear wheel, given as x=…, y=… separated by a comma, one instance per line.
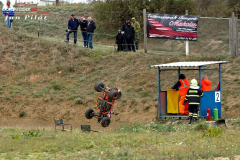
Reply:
x=105, y=121
x=88, y=113
x=99, y=86
x=114, y=94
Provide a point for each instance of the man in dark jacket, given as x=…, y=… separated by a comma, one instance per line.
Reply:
x=72, y=27
x=125, y=47
x=90, y=30
x=119, y=40
x=129, y=36
x=125, y=25
x=83, y=24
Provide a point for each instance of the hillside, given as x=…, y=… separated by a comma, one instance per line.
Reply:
x=41, y=79
x=213, y=35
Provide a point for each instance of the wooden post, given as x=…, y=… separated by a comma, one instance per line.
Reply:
x=230, y=37
x=187, y=42
x=145, y=29
x=236, y=27
x=57, y=2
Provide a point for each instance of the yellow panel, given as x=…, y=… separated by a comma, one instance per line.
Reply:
x=172, y=101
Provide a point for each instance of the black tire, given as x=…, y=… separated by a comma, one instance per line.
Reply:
x=99, y=86
x=114, y=94
x=88, y=113
x=105, y=121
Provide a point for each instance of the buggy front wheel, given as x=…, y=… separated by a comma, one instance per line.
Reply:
x=105, y=122
x=88, y=113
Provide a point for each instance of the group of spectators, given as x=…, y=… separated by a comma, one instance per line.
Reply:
x=87, y=28
x=129, y=35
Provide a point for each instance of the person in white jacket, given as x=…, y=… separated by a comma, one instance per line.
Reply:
x=8, y=11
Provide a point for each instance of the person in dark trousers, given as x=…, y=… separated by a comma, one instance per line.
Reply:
x=83, y=24
x=193, y=97
x=90, y=30
x=129, y=36
x=125, y=47
x=119, y=40
x=72, y=28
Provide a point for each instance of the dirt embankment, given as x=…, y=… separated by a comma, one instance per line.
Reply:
x=41, y=80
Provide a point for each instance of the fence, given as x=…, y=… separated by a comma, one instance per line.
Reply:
x=215, y=36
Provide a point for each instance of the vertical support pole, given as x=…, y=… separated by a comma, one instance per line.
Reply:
x=230, y=37
x=220, y=84
x=233, y=35
x=220, y=78
x=187, y=42
x=200, y=77
x=145, y=29
x=179, y=72
x=159, y=93
x=236, y=27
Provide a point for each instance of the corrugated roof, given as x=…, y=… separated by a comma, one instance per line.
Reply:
x=189, y=64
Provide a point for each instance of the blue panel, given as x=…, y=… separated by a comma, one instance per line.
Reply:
x=208, y=100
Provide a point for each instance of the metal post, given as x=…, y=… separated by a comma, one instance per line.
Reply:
x=200, y=77
x=233, y=35
x=230, y=37
x=159, y=94
x=145, y=29
x=220, y=77
x=179, y=72
x=236, y=27
x=187, y=42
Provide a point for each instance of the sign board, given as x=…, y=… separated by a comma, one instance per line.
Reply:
x=177, y=27
x=217, y=96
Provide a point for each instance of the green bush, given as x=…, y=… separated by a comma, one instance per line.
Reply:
x=36, y=95
x=30, y=134
x=78, y=101
x=56, y=86
x=22, y=114
x=212, y=132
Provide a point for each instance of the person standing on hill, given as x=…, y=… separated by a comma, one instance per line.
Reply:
x=8, y=11
x=129, y=36
x=182, y=85
x=137, y=29
x=90, y=30
x=125, y=47
x=72, y=28
x=83, y=24
x=193, y=98
x=119, y=40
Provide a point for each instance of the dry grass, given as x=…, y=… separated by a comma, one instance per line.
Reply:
x=145, y=141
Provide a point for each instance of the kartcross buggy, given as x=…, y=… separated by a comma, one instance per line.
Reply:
x=105, y=103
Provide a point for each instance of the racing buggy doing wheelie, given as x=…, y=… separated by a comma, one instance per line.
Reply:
x=105, y=103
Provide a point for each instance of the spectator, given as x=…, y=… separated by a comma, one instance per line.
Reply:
x=125, y=47
x=8, y=11
x=125, y=25
x=90, y=30
x=119, y=40
x=129, y=36
x=72, y=27
x=83, y=24
x=137, y=29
